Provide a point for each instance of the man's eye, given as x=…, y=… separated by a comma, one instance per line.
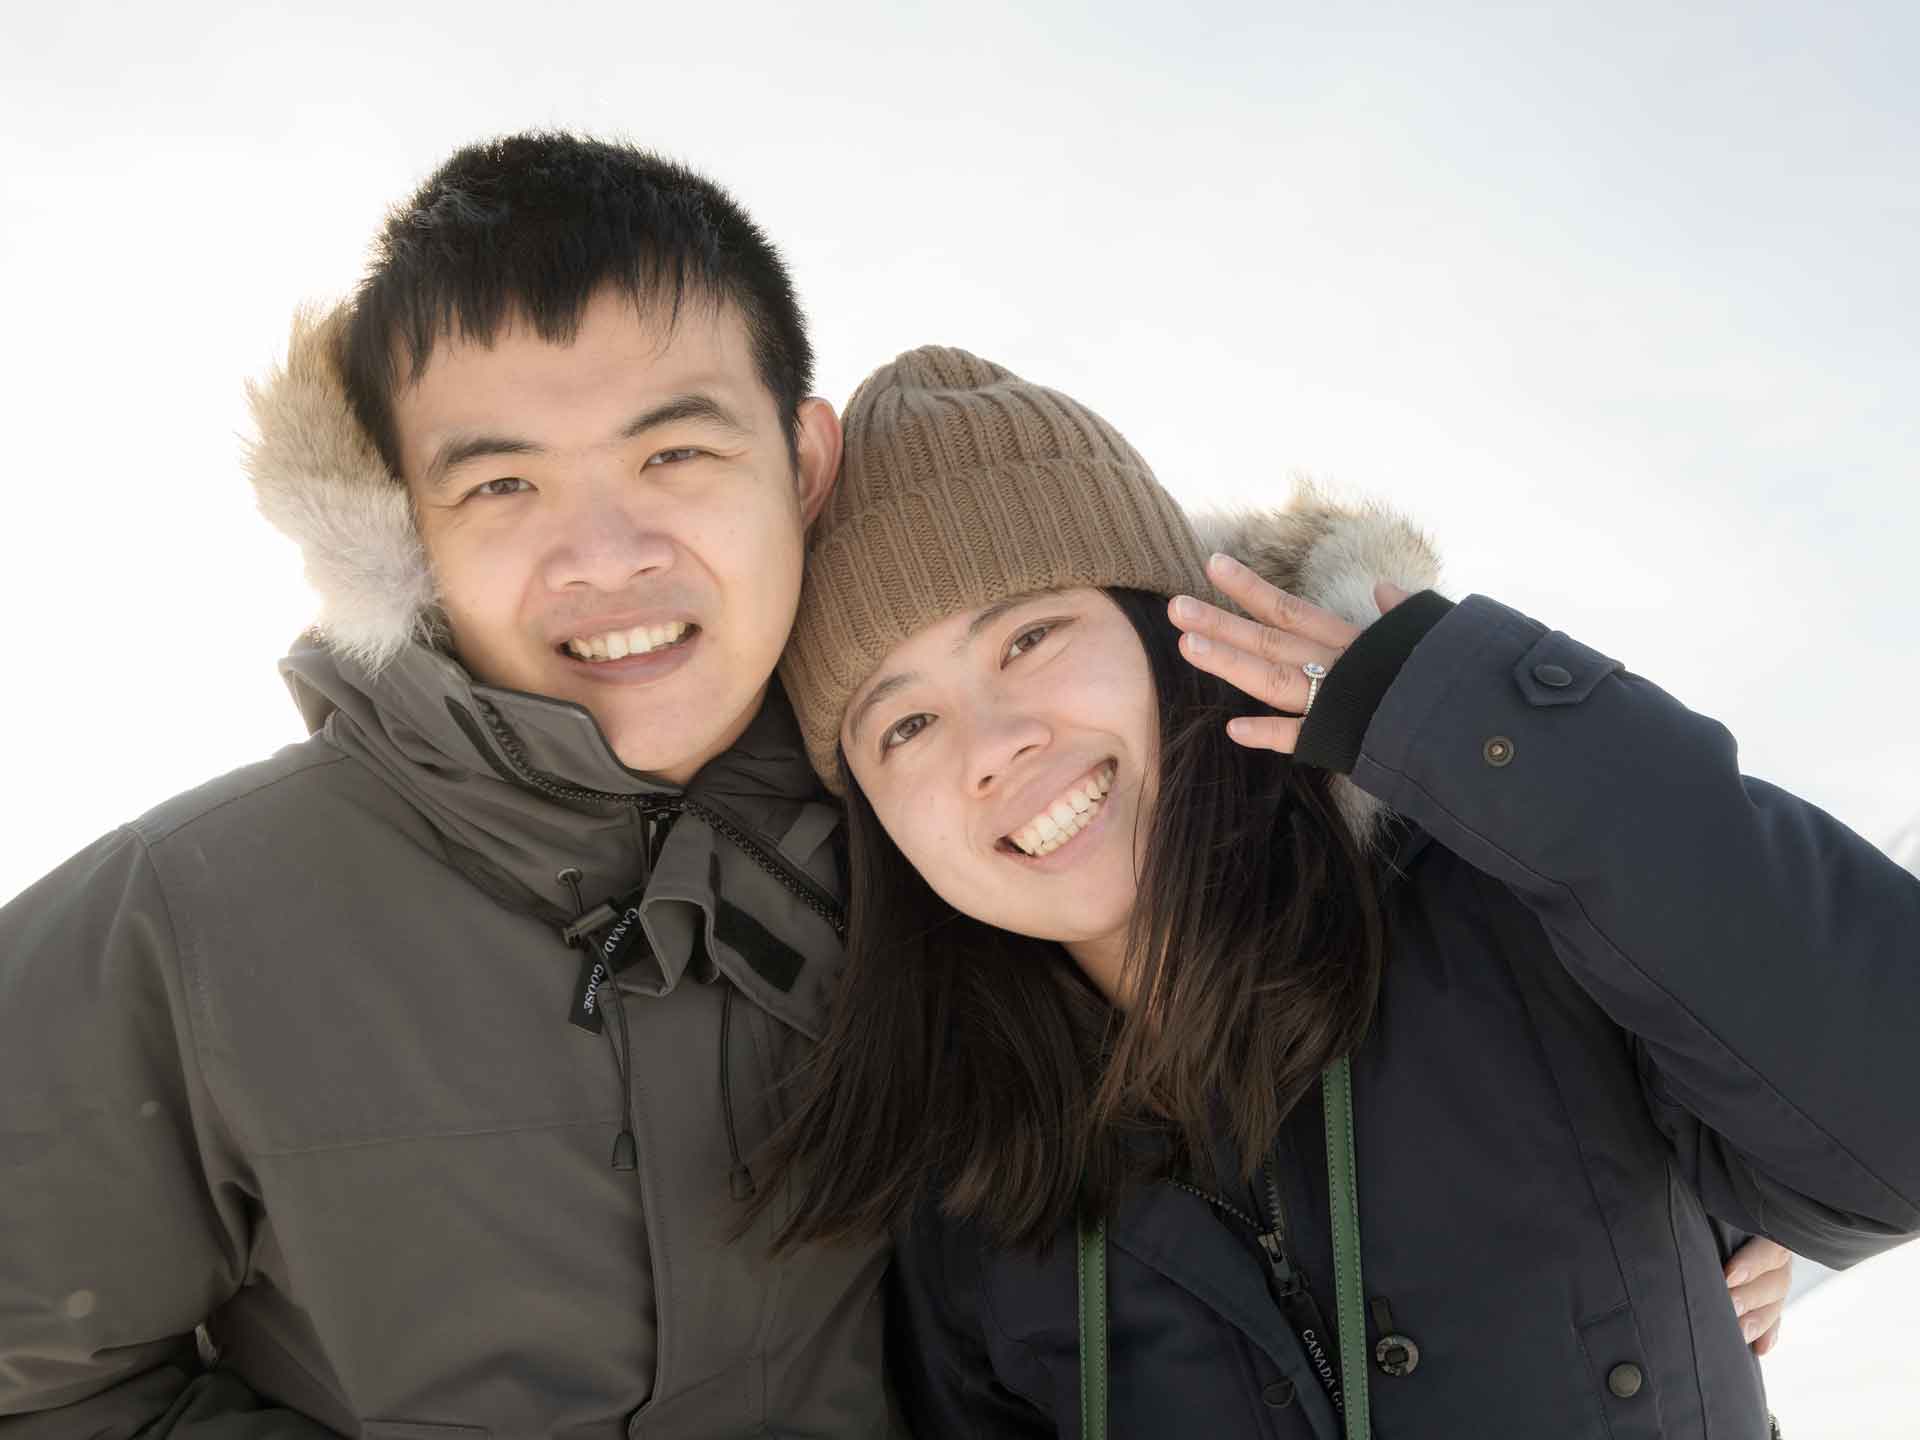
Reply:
x=508, y=485
x=684, y=452
x=1027, y=639
x=901, y=731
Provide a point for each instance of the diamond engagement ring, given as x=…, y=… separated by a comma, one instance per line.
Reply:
x=1315, y=673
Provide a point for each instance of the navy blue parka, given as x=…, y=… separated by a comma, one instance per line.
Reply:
x=1634, y=1001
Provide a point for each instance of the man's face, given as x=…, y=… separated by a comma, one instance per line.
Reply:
x=617, y=521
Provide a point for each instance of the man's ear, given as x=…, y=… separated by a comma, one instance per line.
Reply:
x=817, y=441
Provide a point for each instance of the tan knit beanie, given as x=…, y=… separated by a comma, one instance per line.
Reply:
x=963, y=484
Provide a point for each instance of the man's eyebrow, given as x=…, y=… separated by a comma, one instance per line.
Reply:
x=693, y=405
x=462, y=448
x=690, y=406
x=985, y=617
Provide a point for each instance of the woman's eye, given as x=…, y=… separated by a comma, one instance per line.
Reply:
x=685, y=452
x=1027, y=639
x=902, y=731
x=509, y=485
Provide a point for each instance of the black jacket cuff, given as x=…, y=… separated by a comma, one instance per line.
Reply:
x=1354, y=687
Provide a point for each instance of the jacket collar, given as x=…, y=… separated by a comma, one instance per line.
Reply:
x=519, y=788
x=1176, y=1235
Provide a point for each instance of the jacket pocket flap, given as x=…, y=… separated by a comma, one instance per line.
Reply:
x=1559, y=670
x=1622, y=1379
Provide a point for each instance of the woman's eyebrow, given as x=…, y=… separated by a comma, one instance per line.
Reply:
x=874, y=696
x=988, y=615
x=984, y=617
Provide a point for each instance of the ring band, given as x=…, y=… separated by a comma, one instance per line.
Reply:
x=1315, y=673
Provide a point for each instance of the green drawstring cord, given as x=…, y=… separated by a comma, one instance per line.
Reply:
x=1093, y=1328
x=1343, y=1197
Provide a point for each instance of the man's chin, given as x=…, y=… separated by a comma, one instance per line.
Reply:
x=671, y=752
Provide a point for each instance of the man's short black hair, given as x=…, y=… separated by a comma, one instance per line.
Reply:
x=536, y=225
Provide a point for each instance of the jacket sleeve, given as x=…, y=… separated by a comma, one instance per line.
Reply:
x=1765, y=958
x=123, y=1216
x=937, y=1349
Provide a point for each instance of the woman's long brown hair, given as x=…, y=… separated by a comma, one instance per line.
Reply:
x=980, y=1069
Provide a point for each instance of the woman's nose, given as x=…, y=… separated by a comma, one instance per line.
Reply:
x=999, y=742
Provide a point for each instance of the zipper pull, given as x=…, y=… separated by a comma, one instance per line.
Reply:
x=1273, y=1247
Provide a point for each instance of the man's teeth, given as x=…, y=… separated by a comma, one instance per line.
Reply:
x=618, y=644
x=1065, y=817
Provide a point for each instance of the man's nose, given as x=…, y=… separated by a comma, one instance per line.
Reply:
x=602, y=542
x=997, y=739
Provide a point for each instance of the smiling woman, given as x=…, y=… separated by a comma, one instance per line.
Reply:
x=1136, y=874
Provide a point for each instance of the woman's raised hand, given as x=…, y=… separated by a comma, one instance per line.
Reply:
x=1264, y=655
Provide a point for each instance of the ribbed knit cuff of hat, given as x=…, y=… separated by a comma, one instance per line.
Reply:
x=1334, y=728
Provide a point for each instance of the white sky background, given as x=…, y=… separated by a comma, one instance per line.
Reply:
x=1619, y=302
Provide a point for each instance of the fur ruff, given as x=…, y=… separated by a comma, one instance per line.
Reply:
x=319, y=481
x=1331, y=555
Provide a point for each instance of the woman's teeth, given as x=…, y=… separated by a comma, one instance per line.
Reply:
x=1065, y=817
x=618, y=644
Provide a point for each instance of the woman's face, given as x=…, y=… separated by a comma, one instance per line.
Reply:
x=1011, y=754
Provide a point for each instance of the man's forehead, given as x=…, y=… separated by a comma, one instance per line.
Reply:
x=619, y=363
x=656, y=331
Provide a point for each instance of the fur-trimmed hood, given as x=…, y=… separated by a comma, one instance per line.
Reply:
x=319, y=481
x=1325, y=551
x=1330, y=554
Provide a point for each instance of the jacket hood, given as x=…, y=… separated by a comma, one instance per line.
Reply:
x=1326, y=551
x=319, y=481
x=1330, y=554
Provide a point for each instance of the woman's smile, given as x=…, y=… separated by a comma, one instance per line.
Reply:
x=1074, y=812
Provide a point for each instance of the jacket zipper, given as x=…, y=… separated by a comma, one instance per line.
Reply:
x=1289, y=1287
x=801, y=887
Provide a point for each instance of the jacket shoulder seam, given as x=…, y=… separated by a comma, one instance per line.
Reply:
x=152, y=833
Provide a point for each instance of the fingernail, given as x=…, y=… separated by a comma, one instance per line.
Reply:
x=1738, y=1277
x=1197, y=644
x=1740, y=1307
x=1239, y=729
x=1750, y=1330
x=1222, y=564
x=1186, y=607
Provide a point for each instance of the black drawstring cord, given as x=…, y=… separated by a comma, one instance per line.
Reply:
x=625, y=1148
x=740, y=1178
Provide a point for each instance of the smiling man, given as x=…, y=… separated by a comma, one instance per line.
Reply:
x=403, y=1084
x=631, y=545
